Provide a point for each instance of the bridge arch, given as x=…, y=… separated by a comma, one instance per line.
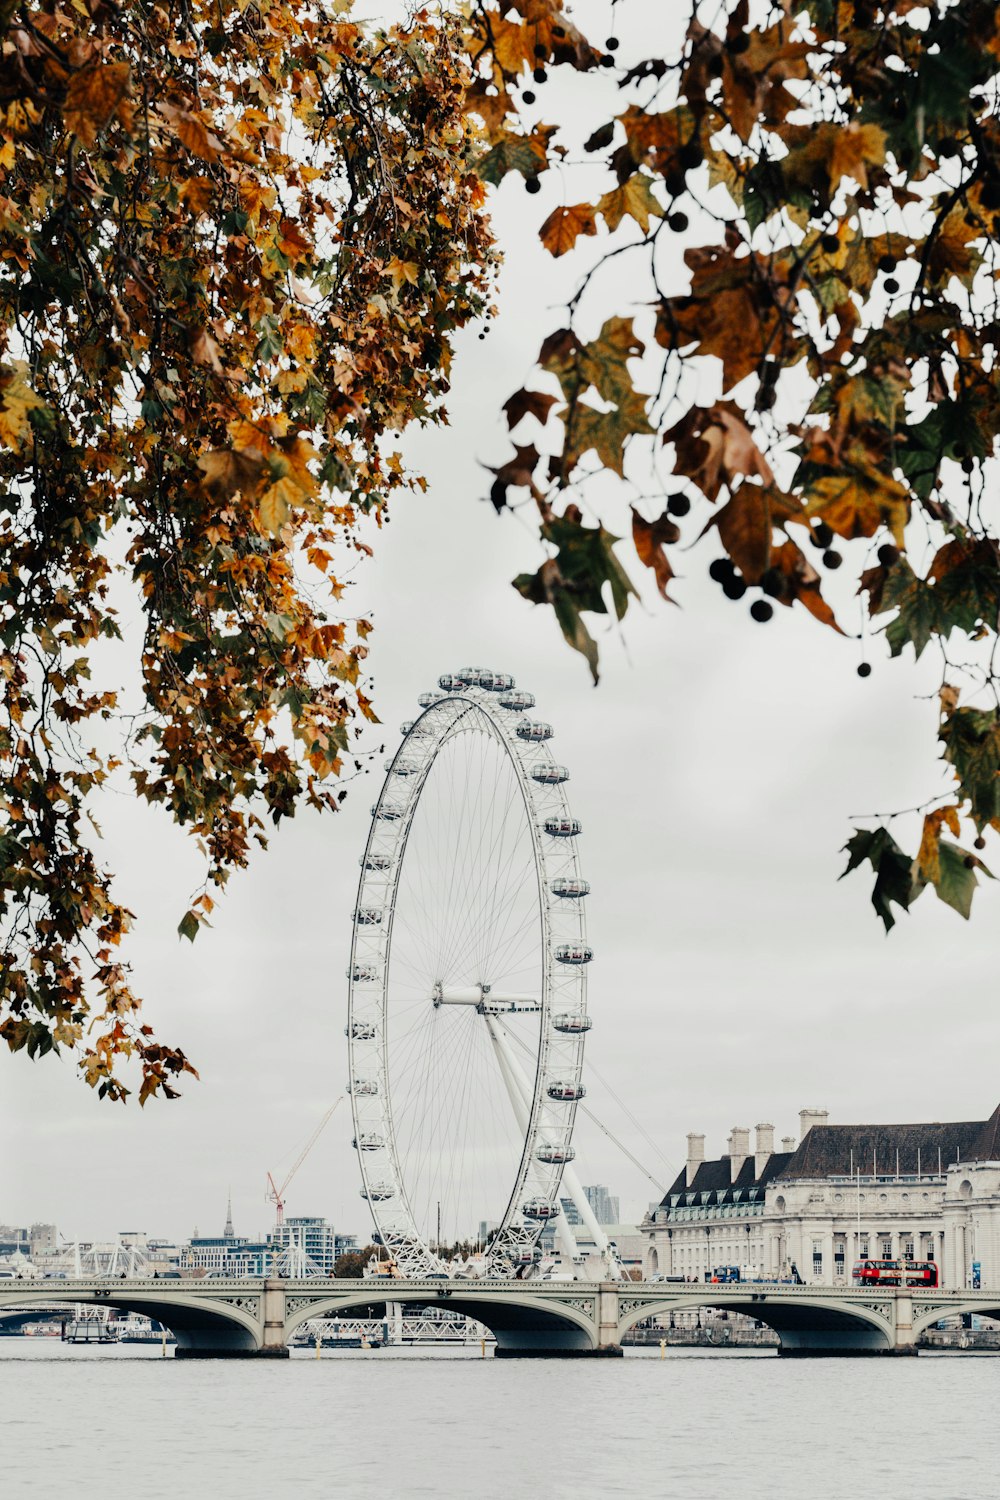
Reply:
x=923, y=1320
x=807, y=1325
x=199, y=1324
x=522, y=1324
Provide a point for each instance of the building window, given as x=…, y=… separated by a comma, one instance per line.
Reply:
x=863, y=1249
x=817, y=1258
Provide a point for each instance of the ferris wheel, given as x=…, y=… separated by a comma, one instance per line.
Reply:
x=467, y=981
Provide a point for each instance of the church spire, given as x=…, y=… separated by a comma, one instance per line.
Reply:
x=228, y=1232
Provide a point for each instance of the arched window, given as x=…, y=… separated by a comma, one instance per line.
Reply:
x=654, y=1261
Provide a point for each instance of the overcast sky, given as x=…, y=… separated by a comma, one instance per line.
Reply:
x=715, y=771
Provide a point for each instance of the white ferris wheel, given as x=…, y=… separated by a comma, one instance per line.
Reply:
x=467, y=982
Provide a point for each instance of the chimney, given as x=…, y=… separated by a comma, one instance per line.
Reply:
x=739, y=1149
x=788, y=1143
x=764, y=1149
x=810, y=1117
x=696, y=1155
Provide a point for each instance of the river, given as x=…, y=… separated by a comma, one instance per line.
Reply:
x=111, y=1423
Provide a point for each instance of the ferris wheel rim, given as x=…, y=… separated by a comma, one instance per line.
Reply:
x=471, y=707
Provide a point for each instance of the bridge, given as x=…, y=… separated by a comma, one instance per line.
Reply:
x=250, y=1317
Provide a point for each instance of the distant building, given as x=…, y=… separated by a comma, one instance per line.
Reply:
x=844, y=1193
x=226, y=1254
x=315, y=1236
x=14, y=1241
x=605, y=1206
x=342, y=1243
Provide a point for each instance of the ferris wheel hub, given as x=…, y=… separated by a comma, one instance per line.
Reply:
x=485, y=999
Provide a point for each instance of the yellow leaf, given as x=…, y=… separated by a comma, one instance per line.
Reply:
x=854, y=148
x=92, y=96
x=635, y=198
x=18, y=400
x=402, y=270
x=929, y=853
x=276, y=503
x=854, y=506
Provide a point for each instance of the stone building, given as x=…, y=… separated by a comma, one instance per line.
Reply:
x=843, y=1193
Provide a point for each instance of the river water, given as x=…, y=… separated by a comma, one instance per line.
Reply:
x=125, y=1422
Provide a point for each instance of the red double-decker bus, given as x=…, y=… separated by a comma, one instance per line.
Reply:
x=895, y=1273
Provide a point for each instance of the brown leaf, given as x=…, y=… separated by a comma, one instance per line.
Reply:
x=526, y=403
x=92, y=96
x=205, y=351
x=799, y=580
x=714, y=446
x=745, y=528
x=564, y=226
x=227, y=471
x=650, y=538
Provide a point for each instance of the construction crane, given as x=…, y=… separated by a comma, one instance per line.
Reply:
x=275, y=1194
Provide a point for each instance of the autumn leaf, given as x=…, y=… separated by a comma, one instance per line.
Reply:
x=564, y=226
x=228, y=471
x=651, y=538
x=17, y=401
x=744, y=525
x=796, y=580
x=928, y=863
x=605, y=432
x=635, y=198
x=93, y=94
x=528, y=404
x=852, y=150
x=715, y=447
x=853, y=505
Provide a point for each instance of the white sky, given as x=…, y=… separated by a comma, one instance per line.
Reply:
x=715, y=770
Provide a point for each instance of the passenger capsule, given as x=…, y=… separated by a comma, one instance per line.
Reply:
x=565, y=1093
x=368, y=916
x=360, y=1031
x=378, y=1192
x=572, y=1025
x=428, y=700
x=403, y=767
x=547, y=774
x=540, y=1208
x=474, y=676
x=388, y=812
x=449, y=683
x=362, y=1086
x=363, y=973
x=375, y=861
x=574, y=953
x=534, y=731
x=570, y=890
x=517, y=702
x=500, y=682
x=368, y=1142
x=557, y=1155
x=562, y=828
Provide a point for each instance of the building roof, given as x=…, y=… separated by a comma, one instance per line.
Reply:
x=841, y=1150
x=714, y=1177
x=988, y=1145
